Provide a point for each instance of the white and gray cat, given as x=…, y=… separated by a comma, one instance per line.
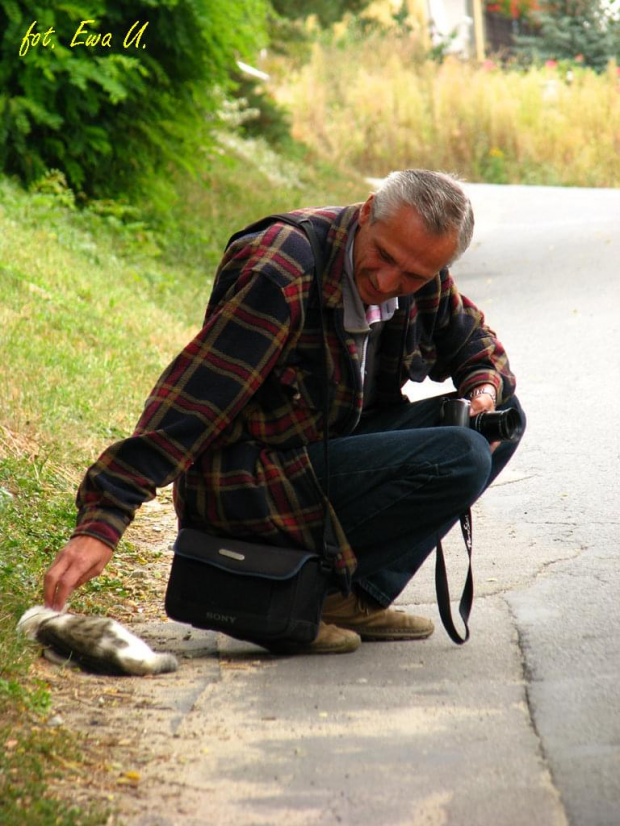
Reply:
x=96, y=644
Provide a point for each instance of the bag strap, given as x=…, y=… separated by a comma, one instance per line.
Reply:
x=319, y=268
x=443, y=592
x=330, y=548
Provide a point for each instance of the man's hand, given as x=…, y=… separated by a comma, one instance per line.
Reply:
x=484, y=403
x=82, y=558
x=483, y=399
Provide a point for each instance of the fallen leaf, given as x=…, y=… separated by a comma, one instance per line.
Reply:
x=129, y=778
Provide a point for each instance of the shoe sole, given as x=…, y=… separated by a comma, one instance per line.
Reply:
x=394, y=637
x=389, y=636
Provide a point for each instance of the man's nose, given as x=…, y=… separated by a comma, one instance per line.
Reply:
x=388, y=280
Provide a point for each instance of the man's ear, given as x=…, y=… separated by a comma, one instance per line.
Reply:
x=364, y=216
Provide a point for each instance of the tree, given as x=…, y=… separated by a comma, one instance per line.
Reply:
x=327, y=11
x=574, y=29
x=110, y=100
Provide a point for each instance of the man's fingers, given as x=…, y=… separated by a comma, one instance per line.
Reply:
x=60, y=592
x=481, y=404
x=82, y=558
x=61, y=580
x=52, y=577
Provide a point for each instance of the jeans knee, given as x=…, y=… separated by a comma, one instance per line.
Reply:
x=476, y=464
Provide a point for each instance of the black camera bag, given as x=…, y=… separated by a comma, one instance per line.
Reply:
x=249, y=591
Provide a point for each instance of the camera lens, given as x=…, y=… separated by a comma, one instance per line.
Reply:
x=500, y=425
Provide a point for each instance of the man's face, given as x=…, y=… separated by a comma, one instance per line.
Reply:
x=397, y=256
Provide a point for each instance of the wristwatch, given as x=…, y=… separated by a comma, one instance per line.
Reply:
x=483, y=391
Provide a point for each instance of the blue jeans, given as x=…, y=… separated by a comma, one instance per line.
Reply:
x=399, y=483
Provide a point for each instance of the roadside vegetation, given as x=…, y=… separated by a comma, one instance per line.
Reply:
x=372, y=100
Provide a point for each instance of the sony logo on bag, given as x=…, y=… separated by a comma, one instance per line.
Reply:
x=220, y=617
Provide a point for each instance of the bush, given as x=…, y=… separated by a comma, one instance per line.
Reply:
x=112, y=100
x=265, y=117
x=572, y=30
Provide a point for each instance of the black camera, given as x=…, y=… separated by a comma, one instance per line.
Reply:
x=496, y=426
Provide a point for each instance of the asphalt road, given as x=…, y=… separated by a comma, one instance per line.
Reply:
x=519, y=727
x=547, y=266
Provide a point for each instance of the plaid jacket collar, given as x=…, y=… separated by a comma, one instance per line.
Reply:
x=334, y=224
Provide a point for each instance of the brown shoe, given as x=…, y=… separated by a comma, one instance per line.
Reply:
x=329, y=640
x=374, y=623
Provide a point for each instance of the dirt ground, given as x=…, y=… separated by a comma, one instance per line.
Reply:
x=125, y=724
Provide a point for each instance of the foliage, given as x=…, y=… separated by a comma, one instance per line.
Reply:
x=327, y=11
x=265, y=117
x=574, y=30
x=295, y=24
x=108, y=115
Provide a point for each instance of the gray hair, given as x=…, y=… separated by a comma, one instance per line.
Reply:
x=436, y=196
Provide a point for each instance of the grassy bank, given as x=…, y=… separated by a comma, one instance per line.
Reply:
x=371, y=102
x=92, y=306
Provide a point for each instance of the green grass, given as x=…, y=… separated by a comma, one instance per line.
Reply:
x=29, y=757
x=80, y=326
x=93, y=305
x=35, y=513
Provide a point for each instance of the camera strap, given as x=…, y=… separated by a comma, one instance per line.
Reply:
x=443, y=591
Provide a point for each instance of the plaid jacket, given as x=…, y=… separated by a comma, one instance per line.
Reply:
x=229, y=419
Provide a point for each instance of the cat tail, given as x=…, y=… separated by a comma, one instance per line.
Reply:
x=156, y=663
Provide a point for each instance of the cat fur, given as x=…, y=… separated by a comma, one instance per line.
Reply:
x=98, y=644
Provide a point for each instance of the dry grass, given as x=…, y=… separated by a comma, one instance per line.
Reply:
x=373, y=104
